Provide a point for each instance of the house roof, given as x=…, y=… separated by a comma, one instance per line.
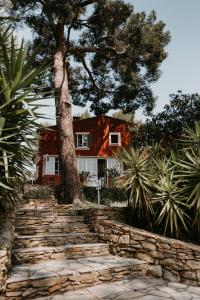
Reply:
x=95, y=117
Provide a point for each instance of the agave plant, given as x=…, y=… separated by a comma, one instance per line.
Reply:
x=17, y=114
x=138, y=180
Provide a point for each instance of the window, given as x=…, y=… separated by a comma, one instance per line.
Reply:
x=49, y=165
x=115, y=139
x=82, y=140
x=57, y=166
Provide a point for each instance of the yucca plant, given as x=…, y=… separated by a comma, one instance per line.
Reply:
x=171, y=213
x=190, y=175
x=18, y=116
x=191, y=138
x=138, y=181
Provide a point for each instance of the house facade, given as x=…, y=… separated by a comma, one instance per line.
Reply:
x=97, y=139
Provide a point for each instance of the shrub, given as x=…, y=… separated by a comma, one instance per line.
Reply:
x=108, y=195
x=138, y=181
x=38, y=192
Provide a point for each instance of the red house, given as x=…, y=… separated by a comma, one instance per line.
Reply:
x=97, y=139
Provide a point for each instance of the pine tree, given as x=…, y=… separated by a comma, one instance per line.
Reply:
x=102, y=52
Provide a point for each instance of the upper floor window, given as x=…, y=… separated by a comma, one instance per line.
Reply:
x=82, y=140
x=115, y=139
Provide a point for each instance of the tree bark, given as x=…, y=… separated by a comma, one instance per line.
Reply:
x=70, y=184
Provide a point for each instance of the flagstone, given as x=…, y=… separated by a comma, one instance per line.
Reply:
x=59, y=258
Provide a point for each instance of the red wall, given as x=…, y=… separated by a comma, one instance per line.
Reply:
x=98, y=127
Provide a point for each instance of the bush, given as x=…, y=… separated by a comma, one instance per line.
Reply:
x=38, y=192
x=108, y=195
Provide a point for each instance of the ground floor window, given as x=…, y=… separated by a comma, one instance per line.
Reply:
x=57, y=166
x=97, y=167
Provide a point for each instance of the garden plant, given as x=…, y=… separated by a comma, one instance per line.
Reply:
x=163, y=186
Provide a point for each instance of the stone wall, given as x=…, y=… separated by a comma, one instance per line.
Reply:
x=94, y=215
x=6, y=239
x=170, y=259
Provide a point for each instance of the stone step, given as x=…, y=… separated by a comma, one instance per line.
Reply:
x=58, y=276
x=58, y=239
x=57, y=228
x=32, y=203
x=46, y=212
x=47, y=220
x=132, y=289
x=37, y=254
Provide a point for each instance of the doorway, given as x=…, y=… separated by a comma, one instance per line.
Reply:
x=102, y=174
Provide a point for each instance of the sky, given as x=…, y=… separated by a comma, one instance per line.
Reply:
x=181, y=69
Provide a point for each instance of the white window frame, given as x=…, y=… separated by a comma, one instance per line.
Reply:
x=76, y=136
x=52, y=172
x=119, y=138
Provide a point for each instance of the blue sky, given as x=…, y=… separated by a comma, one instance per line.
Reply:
x=181, y=69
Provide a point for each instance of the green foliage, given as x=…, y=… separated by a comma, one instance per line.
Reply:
x=137, y=180
x=108, y=195
x=171, y=200
x=163, y=188
x=114, y=54
x=170, y=124
x=38, y=192
x=17, y=115
x=89, y=194
x=112, y=172
x=84, y=173
x=129, y=117
x=190, y=171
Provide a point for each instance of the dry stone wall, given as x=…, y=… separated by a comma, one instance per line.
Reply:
x=6, y=239
x=170, y=259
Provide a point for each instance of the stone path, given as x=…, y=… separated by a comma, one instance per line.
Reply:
x=141, y=289
x=57, y=257
x=56, y=252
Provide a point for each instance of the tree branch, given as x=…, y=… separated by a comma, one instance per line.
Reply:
x=70, y=27
x=89, y=72
x=87, y=2
x=93, y=49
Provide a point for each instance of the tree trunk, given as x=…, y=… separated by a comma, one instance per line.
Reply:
x=69, y=174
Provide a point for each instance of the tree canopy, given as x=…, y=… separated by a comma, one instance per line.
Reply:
x=113, y=53
x=169, y=125
x=126, y=117
x=102, y=52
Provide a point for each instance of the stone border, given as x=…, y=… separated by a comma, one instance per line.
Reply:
x=6, y=240
x=171, y=259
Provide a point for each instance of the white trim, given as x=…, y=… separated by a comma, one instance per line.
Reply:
x=81, y=132
x=119, y=138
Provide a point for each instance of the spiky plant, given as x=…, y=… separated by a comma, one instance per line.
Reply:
x=190, y=175
x=138, y=180
x=172, y=207
x=18, y=116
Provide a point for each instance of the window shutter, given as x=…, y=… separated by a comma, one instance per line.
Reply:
x=90, y=140
x=75, y=140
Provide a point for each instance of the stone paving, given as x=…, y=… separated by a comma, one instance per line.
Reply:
x=51, y=277
x=140, y=289
x=56, y=252
x=58, y=258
